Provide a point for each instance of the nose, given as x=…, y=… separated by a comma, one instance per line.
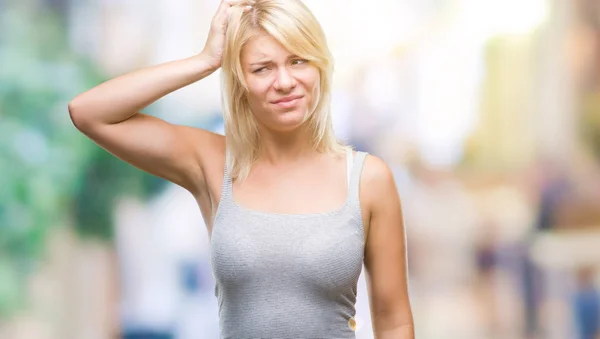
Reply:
x=284, y=82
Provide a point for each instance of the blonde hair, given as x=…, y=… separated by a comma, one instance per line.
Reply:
x=293, y=25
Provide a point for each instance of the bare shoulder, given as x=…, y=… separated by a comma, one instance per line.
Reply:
x=376, y=174
x=377, y=182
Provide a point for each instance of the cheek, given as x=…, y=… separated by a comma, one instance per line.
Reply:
x=313, y=86
x=311, y=80
x=257, y=93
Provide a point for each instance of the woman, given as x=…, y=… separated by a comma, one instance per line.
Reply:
x=292, y=214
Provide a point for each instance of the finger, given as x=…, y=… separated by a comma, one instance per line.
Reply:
x=222, y=11
x=223, y=6
x=235, y=10
x=235, y=2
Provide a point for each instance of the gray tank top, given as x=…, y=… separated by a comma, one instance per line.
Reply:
x=288, y=275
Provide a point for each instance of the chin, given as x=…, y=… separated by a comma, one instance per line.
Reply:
x=290, y=120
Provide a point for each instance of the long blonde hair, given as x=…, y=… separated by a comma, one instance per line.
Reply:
x=293, y=25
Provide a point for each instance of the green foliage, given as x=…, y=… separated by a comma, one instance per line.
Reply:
x=48, y=170
x=106, y=178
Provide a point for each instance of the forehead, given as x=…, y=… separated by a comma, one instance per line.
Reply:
x=263, y=46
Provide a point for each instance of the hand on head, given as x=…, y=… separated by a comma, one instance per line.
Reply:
x=213, y=49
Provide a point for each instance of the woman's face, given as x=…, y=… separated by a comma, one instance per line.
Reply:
x=283, y=89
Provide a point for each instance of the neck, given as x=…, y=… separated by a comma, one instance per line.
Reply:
x=284, y=147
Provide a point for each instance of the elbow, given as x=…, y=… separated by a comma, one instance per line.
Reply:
x=396, y=327
x=393, y=320
x=73, y=112
x=76, y=114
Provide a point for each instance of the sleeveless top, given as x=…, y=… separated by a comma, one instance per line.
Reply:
x=288, y=275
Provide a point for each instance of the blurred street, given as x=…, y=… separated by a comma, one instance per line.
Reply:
x=488, y=112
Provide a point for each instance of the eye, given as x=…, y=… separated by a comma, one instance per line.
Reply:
x=299, y=61
x=259, y=70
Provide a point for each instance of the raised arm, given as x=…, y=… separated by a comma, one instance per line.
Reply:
x=109, y=114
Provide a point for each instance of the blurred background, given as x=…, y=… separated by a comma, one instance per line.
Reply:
x=488, y=111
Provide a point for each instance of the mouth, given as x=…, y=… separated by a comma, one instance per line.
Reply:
x=288, y=101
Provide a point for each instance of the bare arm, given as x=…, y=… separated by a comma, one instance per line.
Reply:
x=385, y=255
x=109, y=114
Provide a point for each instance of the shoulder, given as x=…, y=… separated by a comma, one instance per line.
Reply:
x=376, y=173
x=377, y=182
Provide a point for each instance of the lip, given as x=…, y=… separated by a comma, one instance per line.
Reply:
x=287, y=99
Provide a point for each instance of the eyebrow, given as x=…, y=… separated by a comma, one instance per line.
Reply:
x=266, y=62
